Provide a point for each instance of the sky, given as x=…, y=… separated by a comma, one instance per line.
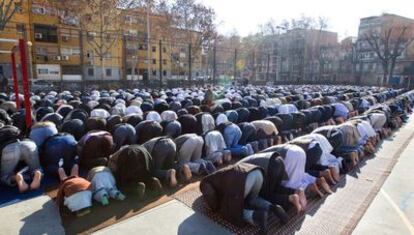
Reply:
x=343, y=16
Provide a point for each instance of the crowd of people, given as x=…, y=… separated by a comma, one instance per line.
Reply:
x=260, y=150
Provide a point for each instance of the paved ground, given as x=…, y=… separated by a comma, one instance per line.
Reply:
x=170, y=218
x=392, y=211
x=39, y=215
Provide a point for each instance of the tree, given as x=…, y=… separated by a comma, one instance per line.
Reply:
x=101, y=20
x=7, y=9
x=388, y=43
x=194, y=23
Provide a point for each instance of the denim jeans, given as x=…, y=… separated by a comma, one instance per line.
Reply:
x=62, y=146
x=232, y=135
x=12, y=154
x=40, y=133
x=124, y=134
x=252, y=187
x=103, y=186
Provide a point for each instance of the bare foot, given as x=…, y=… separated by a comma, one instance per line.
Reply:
x=302, y=198
x=187, y=172
x=324, y=185
x=354, y=159
x=21, y=184
x=328, y=177
x=62, y=174
x=37, y=178
x=335, y=174
x=314, y=188
x=295, y=200
x=75, y=170
x=171, y=177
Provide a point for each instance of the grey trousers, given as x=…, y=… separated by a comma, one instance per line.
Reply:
x=190, y=153
x=12, y=154
x=252, y=187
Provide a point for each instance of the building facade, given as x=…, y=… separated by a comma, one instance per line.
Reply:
x=369, y=69
x=61, y=51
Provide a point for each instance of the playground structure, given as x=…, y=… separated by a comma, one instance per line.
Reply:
x=20, y=48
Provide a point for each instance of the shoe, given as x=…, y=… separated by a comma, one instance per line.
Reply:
x=210, y=168
x=105, y=201
x=119, y=196
x=260, y=220
x=280, y=213
x=186, y=172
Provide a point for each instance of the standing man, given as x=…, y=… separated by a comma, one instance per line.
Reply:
x=4, y=83
x=209, y=96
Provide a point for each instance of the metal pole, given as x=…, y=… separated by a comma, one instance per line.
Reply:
x=160, y=63
x=235, y=65
x=148, y=42
x=214, y=64
x=189, y=62
x=267, y=68
x=25, y=78
x=15, y=84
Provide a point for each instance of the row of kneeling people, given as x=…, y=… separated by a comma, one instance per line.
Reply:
x=134, y=153
x=283, y=176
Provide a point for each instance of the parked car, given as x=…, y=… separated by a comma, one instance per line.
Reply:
x=41, y=85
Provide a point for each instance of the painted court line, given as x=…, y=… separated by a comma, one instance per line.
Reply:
x=399, y=212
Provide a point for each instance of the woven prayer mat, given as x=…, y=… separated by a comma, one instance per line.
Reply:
x=335, y=214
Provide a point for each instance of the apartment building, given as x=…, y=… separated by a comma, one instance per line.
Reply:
x=62, y=51
x=369, y=68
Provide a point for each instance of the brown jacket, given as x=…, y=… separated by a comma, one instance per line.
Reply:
x=227, y=197
x=70, y=186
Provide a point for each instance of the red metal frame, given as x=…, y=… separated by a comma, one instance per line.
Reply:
x=25, y=80
x=15, y=84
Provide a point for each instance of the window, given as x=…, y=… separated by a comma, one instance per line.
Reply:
x=45, y=33
x=68, y=51
x=108, y=37
x=90, y=54
x=108, y=72
x=91, y=35
x=42, y=71
x=38, y=10
x=164, y=73
x=154, y=72
x=90, y=72
x=154, y=49
x=142, y=47
x=71, y=69
x=164, y=62
x=20, y=28
x=154, y=61
x=164, y=49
